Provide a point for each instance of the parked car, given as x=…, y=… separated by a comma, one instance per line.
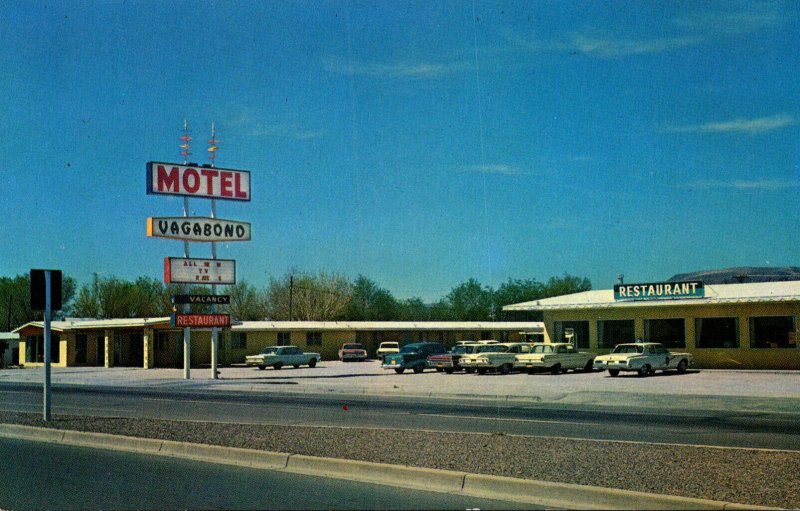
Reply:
x=469, y=361
x=449, y=362
x=643, y=357
x=352, y=351
x=556, y=358
x=279, y=356
x=503, y=359
x=386, y=348
x=413, y=356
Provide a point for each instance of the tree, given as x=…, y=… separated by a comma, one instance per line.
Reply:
x=517, y=291
x=413, y=309
x=370, y=302
x=15, y=300
x=470, y=301
x=247, y=303
x=303, y=296
x=565, y=285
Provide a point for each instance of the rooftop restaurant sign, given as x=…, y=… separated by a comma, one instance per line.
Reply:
x=199, y=320
x=198, y=229
x=197, y=181
x=184, y=270
x=660, y=291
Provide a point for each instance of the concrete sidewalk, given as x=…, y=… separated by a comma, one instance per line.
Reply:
x=742, y=391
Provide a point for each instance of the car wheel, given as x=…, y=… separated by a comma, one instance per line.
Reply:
x=505, y=368
x=296, y=366
x=312, y=363
x=470, y=370
x=588, y=367
x=555, y=369
x=419, y=368
x=481, y=370
x=278, y=365
x=644, y=370
x=261, y=368
x=530, y=370
x=613, y=372
x=439, y=369
x=448, y=370
x=399, y=370
x=682, y=366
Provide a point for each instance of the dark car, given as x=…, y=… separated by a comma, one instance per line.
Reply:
x=413, y=356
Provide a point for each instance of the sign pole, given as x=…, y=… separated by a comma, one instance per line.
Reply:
x=214, y=331
x=187, y=340
x=48, y=305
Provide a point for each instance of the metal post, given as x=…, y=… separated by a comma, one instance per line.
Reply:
x=47, y=302
x=214, y=330
x=187, y=340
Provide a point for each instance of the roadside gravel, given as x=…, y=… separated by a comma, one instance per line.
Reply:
x=746, y=476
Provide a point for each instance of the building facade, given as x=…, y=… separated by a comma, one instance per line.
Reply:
x=741, y=326
x=152, y=342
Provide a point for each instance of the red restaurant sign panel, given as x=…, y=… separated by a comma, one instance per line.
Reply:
x=200, y=320
x=197, y=181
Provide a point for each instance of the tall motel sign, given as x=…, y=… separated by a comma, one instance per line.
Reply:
x=206, y=182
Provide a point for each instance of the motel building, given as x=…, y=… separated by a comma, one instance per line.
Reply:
x=152, y=342
x=738, y=326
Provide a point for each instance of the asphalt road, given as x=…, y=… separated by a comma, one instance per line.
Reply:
x=46, y=476
x=717, y=428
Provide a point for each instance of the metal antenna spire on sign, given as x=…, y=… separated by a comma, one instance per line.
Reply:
x=212, y=150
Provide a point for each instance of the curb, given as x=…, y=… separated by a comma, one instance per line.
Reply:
x=542, y=493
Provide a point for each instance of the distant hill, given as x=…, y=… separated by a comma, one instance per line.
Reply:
x=741, y=275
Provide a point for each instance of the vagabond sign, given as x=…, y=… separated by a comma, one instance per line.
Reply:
x=198, y=229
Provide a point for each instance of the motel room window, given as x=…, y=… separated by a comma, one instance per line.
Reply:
x=284, y=338
x=669, y=332
x=239, y=340
x=716, y=332
x=615, y=331
x=313, y=338
x=81, y=347
x=161, y=341
x=580, y=331
x=773, y=332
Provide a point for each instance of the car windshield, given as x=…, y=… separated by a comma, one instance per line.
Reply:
x=459, y=349
x=492, y=348
x=542, y=348
x=389, y=345
x=410, y=348
x=269, y=351
x=628, y=348
x=353, y=347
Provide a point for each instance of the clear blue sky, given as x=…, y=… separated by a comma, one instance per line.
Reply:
x=418, y=143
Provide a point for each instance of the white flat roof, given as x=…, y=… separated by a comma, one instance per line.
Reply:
x=388, y=325
x=756, y=292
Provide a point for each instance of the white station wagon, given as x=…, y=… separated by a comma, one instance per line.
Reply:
x=643, y=357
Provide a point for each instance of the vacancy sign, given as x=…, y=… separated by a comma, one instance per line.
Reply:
x=197, y=181
x=184, y=270
x=198, y=229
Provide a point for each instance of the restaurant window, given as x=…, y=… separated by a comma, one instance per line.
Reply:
x=284, y=338
x=161, y=341
x=773, y=332
x=579, y=329
x=716, y=332
x=239, y=340
x=34, y=348
x=81, y=346
x=669, y=332
x=613, y=332
x=313, y=338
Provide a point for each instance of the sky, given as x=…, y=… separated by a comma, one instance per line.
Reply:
x=420, y=144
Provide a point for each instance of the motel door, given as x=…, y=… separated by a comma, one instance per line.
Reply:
x=100, y=352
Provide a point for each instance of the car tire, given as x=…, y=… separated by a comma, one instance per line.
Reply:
x=277, y=366
x=419, y=368
x=312, y=363
x=613, y=372
x=469, y=370
x=682, y=366
x=588, y=367
x=439, y=369
x=399, y=370
x=530, y=370
x=555, y=369
x=644, y=371
x=481, y=370
x=448, y=370
x=505, y=368
x=261, y=368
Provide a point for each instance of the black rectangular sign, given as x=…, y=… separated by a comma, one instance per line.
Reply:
x=202, y=299
x=38, y=293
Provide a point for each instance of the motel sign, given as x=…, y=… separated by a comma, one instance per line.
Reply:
x=197, y=181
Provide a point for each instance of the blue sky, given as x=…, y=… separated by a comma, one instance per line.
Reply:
x=417, y=143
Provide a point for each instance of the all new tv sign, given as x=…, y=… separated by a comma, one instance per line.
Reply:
x=197, y=181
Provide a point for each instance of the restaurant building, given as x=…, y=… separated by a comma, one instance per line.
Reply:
x=742, y=326
x=152, y=342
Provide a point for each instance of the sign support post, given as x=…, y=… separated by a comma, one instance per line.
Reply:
x=47, y=351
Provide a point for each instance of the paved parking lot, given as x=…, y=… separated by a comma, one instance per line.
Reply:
x=697, y=389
